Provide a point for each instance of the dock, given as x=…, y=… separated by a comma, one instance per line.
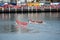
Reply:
x=26, y=10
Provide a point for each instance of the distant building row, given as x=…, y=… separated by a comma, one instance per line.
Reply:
x=15, y=1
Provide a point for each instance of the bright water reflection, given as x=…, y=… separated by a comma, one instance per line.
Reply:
x=51, y=20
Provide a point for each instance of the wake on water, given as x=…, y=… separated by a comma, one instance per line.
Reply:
x=36, y=22
x=29, y=30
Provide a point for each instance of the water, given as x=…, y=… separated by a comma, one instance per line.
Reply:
x=49, y=30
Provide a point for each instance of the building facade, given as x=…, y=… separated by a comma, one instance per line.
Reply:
x=14, y=1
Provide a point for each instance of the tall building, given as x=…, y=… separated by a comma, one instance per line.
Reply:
x=53, y=0
x=49, y=0
x=14, y=1
x=5, y=0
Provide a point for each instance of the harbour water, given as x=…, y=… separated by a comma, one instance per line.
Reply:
x=49, y=30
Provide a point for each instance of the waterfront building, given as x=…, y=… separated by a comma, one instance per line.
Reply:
x=15, y=1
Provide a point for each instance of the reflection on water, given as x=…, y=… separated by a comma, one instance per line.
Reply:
x=7, y=22
x=52, y=20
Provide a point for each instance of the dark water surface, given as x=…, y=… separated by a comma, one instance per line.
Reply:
x=49, y=30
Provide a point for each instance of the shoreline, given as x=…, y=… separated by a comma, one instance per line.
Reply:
x=12, y=10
